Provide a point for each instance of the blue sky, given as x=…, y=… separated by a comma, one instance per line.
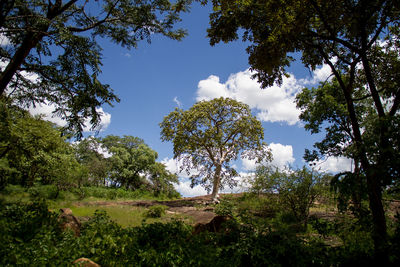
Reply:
x=155, y=78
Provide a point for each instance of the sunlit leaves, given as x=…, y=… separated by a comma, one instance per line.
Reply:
x=53, y=55
x=211, y=134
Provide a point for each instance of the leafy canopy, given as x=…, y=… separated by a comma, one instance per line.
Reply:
x=348, y=36
x=212, y=133
x=33, y=151
x=133, y=165
x=51, y=53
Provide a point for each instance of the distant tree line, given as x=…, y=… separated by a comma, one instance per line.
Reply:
x=33, y=151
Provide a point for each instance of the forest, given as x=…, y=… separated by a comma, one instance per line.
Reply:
x=70, y=198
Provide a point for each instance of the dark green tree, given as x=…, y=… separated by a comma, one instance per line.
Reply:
x=211, y=134
x=131, y=160
x=349, y=36
x=87, y=152
x=162, y=181
x=33, y=151
x=53, y=55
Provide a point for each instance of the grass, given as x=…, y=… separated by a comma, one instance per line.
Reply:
x=126, y=216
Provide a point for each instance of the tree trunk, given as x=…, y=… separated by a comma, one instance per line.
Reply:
x=373, y=183
x=216, y=183
x=30, y=41
x=374, y=173
x=379, y=234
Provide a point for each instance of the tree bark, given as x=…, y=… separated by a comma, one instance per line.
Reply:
x=30, y=41
x=379, y=234
x=216, y=183
x=374, y=186
x=374, y=173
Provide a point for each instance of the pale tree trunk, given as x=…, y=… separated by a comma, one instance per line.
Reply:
x=216, y=183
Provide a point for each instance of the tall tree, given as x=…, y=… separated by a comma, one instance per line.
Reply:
x=51, y=54
x=349, y=36
x=89, y=153
x=131, y=160
x=210, y=135
x=162, y=180
x=32, y=151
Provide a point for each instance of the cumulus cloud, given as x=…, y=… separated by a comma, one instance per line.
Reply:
x=321, y=74
x=46, y=110
x=282, y=156
x=174, y=166
x=183, y=187
x=273, y=104
x=186, y=191
x=334, y=164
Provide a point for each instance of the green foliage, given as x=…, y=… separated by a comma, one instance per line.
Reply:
x=87, y=154
x=111, y=193
x=131, y=157
x=133, y=165
x=226, y=207
x=58, y=43
x=162, y=181
x=296, y=189
x=358, y=40
x=209, y=135
x=30, y=235
x=156, y=211
x=43, y=192
x=33, y=151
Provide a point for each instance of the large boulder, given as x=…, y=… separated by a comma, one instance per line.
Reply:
x=69, y=221
x=85, y=262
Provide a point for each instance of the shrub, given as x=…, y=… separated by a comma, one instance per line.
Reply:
x=44, y=191
x=226, y=207
x=297, y=189
x=156, y=211
x=13, y=189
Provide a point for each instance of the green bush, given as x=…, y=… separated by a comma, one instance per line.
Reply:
x=30, y=235
x=13, y=189
x=226, y=207
x=156, y=211
x=44, y=191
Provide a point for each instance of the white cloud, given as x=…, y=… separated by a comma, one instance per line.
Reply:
x=4, y=41
x=171, y=165
x=47, y=112
x=184, y=188
x=186, y=191
x=282, y=156
x=176, y=100
x=334, y=164
x=321, y=74
x=273, y=104
x=174, y=166
x=128, y=55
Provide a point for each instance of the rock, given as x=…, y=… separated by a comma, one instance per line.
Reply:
x=85, y=262
x=214, y=226
x=69, y=221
